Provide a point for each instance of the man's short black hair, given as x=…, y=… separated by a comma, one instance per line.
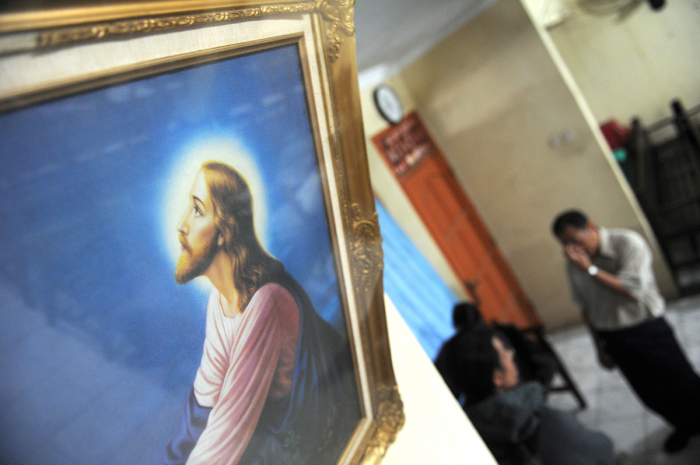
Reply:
x=465, y=315
x=575, y=218
x=473, y=361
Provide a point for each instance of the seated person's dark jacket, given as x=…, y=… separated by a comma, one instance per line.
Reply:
x=508, y=423
x=519, y=429
x=511, y=416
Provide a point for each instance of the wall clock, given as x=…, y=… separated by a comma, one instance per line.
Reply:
x=388, y=104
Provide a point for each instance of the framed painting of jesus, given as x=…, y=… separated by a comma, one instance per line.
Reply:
x=191, y=270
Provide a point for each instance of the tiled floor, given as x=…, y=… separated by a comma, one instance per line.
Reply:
x=612, y=407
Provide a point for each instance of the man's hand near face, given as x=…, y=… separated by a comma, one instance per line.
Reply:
x=577, y=255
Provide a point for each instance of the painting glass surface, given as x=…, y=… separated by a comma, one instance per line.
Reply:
x=99, y=345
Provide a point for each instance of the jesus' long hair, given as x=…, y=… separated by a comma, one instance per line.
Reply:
x=253, y=266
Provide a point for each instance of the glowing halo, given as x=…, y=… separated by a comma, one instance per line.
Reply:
x=178, y=183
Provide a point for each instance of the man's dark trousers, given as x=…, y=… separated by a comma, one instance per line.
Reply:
x=655, y=366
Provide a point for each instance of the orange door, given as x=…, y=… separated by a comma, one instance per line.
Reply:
x=432, y=188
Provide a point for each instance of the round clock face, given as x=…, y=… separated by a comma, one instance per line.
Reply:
x=388, y=104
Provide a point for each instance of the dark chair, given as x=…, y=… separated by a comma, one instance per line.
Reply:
x=566, y=383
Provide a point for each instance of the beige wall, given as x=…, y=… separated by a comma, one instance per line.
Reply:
x=520, y=140
x=389, y=192
x=634, y=65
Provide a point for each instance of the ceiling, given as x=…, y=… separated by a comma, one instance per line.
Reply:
x=391, y=34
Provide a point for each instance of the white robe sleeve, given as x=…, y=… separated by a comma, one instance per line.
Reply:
x=214, y=364
x=254, y=357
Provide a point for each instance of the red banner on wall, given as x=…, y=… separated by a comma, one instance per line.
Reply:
x=404, y=144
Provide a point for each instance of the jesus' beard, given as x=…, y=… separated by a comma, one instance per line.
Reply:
x=194, y=263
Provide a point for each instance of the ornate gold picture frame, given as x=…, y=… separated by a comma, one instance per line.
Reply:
x=107, y=115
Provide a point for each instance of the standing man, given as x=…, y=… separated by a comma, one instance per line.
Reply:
x=275, y=385
x=612, y=281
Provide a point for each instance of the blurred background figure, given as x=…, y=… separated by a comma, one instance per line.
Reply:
x=612, y=281
x=512, y=417
x=533, y=361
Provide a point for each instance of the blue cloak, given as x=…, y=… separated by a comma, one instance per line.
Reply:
x=314, y=422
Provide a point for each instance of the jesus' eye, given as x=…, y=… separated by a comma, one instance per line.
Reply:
x=197, y=211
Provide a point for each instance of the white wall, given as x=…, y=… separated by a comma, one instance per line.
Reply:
x=436, y=431
x=629, y=64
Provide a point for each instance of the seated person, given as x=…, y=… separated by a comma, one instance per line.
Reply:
x=512, y=417
x=533, y=361
x=464, y=317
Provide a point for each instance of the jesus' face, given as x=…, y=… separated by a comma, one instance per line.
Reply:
x=197, y=234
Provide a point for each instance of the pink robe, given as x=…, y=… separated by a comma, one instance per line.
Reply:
x=247, y=359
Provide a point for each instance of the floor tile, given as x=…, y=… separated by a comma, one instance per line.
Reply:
x=655, y=455
x=620, y=404
x=590, y=416
x=674, y=318
x=656, y=429
x=612, y=380
x=627, y=434
x=562, y=401
x=693, y=354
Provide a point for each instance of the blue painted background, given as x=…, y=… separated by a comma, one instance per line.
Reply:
x=83, y=264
